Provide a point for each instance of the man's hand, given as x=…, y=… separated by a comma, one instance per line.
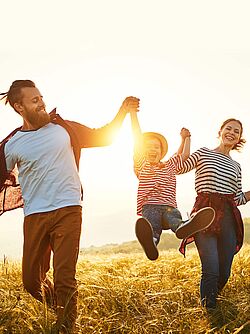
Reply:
x=185, y=133
x=130, y=104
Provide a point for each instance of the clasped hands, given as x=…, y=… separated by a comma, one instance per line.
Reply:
x=130, y=104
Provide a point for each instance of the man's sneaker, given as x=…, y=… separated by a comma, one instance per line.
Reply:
x=144, y=233
x=201, y=220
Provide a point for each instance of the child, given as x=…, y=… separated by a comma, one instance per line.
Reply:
x=156, y=196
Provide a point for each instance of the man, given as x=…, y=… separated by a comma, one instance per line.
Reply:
x=46, y=151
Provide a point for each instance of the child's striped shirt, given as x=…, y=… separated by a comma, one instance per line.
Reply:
x=157, y=183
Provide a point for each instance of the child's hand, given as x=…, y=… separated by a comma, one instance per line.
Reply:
x=185, y=133
x=130, y=104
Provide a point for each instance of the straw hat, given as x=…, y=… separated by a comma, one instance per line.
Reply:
x=161, y=138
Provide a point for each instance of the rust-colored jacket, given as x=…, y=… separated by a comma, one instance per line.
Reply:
x=217, y=202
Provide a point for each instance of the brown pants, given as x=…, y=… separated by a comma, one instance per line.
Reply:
x=57, y=231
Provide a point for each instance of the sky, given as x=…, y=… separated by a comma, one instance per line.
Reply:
x=187, y=61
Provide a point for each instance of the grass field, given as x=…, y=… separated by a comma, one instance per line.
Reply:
x=126, y=293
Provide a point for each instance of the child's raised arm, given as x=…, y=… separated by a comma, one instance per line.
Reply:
x=184, y=149
x=136, y=130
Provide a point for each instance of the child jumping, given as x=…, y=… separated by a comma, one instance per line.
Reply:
x=156, y=196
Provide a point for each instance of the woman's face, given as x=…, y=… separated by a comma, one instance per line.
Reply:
x=230, y=134
x=152, y=150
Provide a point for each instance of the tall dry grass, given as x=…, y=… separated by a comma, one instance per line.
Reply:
x=126, y=293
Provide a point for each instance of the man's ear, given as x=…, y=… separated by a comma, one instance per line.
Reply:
x=18, y=107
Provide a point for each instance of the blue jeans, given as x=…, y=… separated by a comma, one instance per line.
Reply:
x=216, y=254
x=161, y=217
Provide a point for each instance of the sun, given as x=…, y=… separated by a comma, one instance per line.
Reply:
x=123, y=140
x=110, y=166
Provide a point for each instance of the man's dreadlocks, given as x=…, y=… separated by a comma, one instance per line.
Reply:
x=14, y=94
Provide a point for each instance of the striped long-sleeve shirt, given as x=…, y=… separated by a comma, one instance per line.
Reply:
x=157, y=183
x=215, y=173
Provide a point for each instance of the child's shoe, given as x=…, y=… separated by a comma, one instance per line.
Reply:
x=199, y=221
x=144, y=233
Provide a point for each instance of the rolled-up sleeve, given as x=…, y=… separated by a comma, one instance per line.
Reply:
x=240, y=198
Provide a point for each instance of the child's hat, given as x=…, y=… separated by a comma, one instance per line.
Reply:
x=161, y=138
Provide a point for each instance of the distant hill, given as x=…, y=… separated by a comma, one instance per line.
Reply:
x=168, y=241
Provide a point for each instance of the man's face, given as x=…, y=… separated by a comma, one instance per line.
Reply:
x=32, y=108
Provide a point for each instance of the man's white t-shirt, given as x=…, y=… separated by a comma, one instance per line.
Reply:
x=47, y=169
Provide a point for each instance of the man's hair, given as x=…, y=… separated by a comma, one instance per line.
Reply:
x=14, y=94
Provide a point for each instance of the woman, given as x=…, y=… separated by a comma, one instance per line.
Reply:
x=218, y=184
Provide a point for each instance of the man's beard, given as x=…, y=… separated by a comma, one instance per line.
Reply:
x=38, y=120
